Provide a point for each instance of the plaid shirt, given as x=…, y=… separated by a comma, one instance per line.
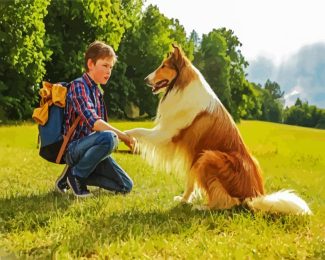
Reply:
x=86, y=101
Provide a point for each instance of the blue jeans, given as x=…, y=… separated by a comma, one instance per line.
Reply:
x=89, y=159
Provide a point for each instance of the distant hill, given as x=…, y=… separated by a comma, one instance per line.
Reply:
x=301, y=75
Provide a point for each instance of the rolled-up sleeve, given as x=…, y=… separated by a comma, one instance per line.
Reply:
x=82, y=104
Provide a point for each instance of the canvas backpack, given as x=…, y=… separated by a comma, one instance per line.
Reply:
x=50, y=119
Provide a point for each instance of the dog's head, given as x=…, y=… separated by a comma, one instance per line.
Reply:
x=165, y=76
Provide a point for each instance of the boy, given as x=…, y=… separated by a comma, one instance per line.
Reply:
x=88, y=154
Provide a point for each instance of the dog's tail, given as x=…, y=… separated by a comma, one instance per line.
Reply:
x=283, y=201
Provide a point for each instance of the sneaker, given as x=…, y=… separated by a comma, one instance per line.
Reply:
x=61, y=184
x=78, y=186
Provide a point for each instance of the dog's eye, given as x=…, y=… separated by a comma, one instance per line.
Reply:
x=163, y=66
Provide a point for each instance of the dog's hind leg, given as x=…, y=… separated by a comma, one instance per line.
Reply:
x=211, y=169
x=219, y=198
x=189, y=188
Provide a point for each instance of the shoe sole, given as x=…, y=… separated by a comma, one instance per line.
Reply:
x=78, y=195
x=59, y=179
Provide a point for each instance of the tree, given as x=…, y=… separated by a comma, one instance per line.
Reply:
x=120, y=92
x=272, y=105
x=242, y=94
x=274, y=89
x=23, y=54
x=251, y=107
x=304, y=115
x=298, y=102
x=294, y=116
x=321, y=122
x=72, y=25
x=195, y=39
x=215, y=65
x=220, y=60
x=178, y=35
x=143, y=48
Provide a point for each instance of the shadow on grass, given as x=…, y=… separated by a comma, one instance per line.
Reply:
x=181, y=220
x=36, y=211
x=31, y=212
x=134, y=224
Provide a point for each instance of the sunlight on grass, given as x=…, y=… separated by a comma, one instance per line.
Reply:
x=36, y=222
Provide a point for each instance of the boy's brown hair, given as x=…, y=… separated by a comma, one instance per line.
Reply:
x=99, y=50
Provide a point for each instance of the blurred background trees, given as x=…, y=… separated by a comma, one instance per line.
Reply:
x=46, y=40
x=23, y=54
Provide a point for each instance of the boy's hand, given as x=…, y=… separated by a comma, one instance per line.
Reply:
x=130, y=142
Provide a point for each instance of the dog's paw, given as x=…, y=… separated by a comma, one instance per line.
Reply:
x=136, y=133
x=200, y=207
x=130, y=132
x=180, y=199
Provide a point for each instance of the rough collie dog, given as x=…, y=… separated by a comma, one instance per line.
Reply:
x=194, y=134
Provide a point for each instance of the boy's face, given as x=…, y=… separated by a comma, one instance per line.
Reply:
x=101, y=71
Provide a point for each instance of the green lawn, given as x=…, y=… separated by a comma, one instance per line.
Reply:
x=38, y=223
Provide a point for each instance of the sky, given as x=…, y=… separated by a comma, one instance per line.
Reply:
x=283, y=40
x=275, y=29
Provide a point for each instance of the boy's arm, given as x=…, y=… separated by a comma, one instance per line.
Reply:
x=101, y=125
x=84, y=107
x=82, y=104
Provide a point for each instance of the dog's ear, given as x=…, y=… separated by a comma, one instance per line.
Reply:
x=177, y=51
x=174, y=45
x=177, y=56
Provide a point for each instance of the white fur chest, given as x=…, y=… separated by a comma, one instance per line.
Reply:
x=179, y=108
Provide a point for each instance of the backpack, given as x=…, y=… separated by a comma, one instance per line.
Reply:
x=52, y=142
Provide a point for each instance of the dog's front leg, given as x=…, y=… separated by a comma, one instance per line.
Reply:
x=189, y=188
x=150, y=136
x=139, y=133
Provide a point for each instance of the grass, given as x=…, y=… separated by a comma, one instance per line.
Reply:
x=37, y=223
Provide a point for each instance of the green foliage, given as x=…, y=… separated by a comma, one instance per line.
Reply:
x=72, y=25
x=272, y=103
x=304, y=115
x=23, y=54
x=242, y=96
x=250, y=104
x=269, y=107
x=119, y=92
x=214, y=63
x=321, y=121
x=178, y=35
x=37, y=223
x=46, y=40
x=274, y=89
x=195, y=40
x=143, y=48
x=221, y=62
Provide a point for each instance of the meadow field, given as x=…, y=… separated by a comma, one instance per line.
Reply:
x=38, y=223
